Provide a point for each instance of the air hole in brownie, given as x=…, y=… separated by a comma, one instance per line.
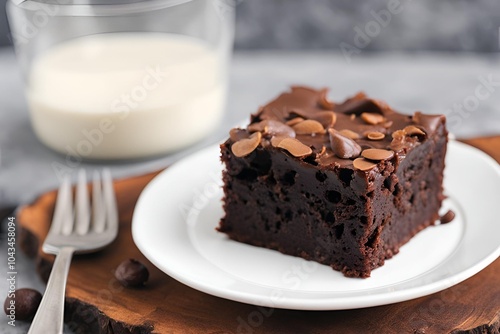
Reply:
x=339, y=230
x=350, y=201
x=289, y=178
x=396, y=191
x=262, y=162
x=412, y=198
x=387, y=183
x=311, y=160
x=345, y=176
x=278, y=226
x=278, y=211
x=353, y=232
x=330, y=218
x=307, y=195
x=372, y=239
x=333, y=196
x=320, y=176
x=288, y=214
x=271, y=196
x=370, y=194
x=247, y=175
x=364, y=220
x=271, y=180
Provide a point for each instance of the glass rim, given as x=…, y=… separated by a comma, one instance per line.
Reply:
x=63, y=8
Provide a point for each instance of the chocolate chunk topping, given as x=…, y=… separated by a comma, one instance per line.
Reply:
x=238, y=134
x=326, y=118
x=343, y=147
x=246, y=146
x=301, y=109
x=363, y=164
x=447, y=217
x=428, y=122
x=324, y=102
x=272, y=128
x=295, y=147
x=360, y=103
x=377, y=154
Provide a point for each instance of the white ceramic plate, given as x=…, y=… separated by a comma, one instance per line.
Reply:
x=174, y=227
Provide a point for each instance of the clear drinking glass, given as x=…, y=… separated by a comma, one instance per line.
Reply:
x=123, y=79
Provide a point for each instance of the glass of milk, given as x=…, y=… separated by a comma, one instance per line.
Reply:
x=123, y=79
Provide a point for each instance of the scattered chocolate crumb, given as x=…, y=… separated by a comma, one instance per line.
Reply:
x=447, y=217
x=23, y=304
x=132, y=273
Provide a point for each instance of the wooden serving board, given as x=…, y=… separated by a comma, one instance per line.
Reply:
x=97, y=303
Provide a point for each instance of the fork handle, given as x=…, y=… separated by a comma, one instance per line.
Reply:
x=49, y=317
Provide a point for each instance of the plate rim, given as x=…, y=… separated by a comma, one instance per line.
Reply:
x=329, y=303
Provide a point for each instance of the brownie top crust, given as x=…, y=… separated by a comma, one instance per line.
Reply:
x=356, y=134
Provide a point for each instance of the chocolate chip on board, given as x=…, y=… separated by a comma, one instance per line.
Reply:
x=24, y=302
x=132, y=273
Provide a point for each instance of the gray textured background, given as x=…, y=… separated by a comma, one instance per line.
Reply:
x=452, y=25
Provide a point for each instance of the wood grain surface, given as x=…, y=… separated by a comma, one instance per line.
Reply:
x=97, y=303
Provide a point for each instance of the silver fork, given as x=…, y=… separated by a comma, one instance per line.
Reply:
x=74, y=232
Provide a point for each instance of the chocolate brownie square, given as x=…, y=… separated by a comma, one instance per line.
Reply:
x=345, y=184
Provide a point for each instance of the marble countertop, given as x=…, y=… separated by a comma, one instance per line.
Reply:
x=464, y=87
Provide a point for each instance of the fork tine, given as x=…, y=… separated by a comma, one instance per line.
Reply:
x=60, y=211
x=98, y=209
x=66, y=223
x=82, y=205
x=110, y=201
